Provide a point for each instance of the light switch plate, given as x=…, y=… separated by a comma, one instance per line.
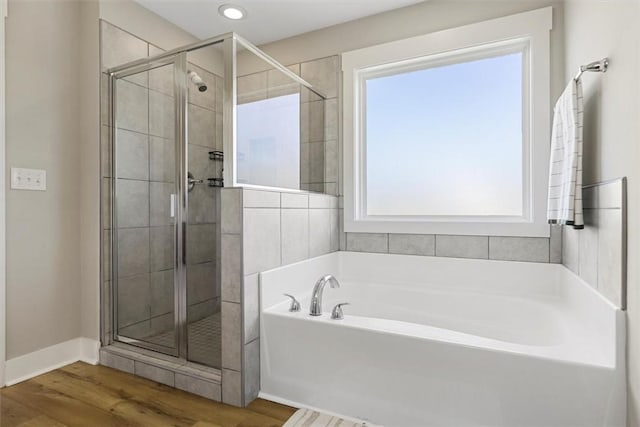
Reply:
x=28, y=179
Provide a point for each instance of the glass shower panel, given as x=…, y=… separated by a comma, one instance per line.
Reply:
x=204, y=164
x=144, y=211
x=280, y=128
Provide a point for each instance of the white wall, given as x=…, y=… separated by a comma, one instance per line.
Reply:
x=595, y=29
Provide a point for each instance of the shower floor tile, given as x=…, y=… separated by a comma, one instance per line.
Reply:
x=203, y=340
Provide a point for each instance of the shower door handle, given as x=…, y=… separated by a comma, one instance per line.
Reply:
x=172, y=207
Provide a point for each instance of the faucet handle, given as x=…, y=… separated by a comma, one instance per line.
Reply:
x=336, y=313
x=295, y=305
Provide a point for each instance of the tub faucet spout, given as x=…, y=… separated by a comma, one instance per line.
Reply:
x=316, y=296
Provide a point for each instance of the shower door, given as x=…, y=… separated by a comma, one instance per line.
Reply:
x=147, y=201
x=167, y=170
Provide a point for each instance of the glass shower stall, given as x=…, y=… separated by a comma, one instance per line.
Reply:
x=184, y=124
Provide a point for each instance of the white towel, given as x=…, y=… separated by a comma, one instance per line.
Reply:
x=565, y=168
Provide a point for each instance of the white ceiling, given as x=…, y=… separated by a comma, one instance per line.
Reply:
x=267, y=20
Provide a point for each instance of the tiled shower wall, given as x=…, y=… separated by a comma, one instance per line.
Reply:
x=531, y=249
x=146, y=176
x=319, y=153
x=598, y=252
x=262, y=230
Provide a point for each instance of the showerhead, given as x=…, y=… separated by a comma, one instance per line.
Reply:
x=197, y=80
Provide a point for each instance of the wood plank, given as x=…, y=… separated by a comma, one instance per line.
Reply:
x=272, y=409
x=86, y=395
x=13, y=413
x=41, y=421
x=62, y=408
x=172, y=401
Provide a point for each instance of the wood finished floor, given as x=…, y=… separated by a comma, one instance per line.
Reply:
x=95, y=396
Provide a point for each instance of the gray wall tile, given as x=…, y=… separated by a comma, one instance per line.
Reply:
x=279, y=84
x=251, y=371
x=532, y=249
x=201, y=283
x=261, y=199
x=204, y=388
x=570, y=248
x=252, y=87
x=261, y=244
x=119, y=47
x=201, y=243
x=231, y=267
x=161, y=248
x=412, y=244
x=367, y=242
x=611, y=275
x=316, y=121
x=202, y=126
x=231, y=335
x=294, y=201
x=611, y=195
x=323, y=74
x=162, y=164
x=319, y=232
x=325, y=201
x=154, y=373
x=555, y=245
x=231, y=210
x=133, y=251
x=231, y=387
x=334, y=219
x=132, y=107
x=134, y=299
x=116, y=362
x=588, y=248
x=162, y=115
x=132, y=155
x=251, y=308
x=161, y=287
x=295, y=235
x=462, y=246
x=133, y=203
x=202, y=204
x=331, y=119
x=161, y=79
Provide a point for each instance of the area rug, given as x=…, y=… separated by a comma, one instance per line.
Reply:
x=310, y=418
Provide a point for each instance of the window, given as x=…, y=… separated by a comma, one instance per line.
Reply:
x=449, y=132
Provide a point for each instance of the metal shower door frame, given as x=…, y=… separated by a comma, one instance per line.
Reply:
x=179, y=63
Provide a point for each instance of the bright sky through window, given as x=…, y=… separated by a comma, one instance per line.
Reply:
x=446, y=140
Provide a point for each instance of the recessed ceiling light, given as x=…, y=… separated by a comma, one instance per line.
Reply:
x=231, y=11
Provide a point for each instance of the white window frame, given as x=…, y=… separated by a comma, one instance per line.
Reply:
x=525, y=32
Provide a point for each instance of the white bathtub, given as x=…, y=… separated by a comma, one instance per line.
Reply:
x=444, y=342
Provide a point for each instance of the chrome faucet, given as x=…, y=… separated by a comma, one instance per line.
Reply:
x=316, y=296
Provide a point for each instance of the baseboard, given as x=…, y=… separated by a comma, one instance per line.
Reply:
x=22, y=368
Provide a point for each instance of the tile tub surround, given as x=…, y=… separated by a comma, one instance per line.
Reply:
x=529, y=249
x=598, y=253
x=263, y=230
x=146, y=175
x=417, y=323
